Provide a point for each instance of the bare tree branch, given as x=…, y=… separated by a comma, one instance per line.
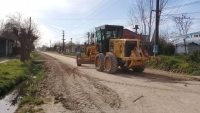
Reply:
x=182, y=23
x=23, y=30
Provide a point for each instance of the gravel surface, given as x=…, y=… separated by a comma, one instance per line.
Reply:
x=85, y=90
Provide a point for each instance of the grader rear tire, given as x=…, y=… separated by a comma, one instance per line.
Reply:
x=99, y=62
x=78, y=55
x=111, y=63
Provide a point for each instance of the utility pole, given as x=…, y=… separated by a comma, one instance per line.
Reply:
x=30, y=24
x=150, y=25
x=63, y=41
x=185, y=45
x=71, y=44
x=59, y=47
x=155, y=47
x=88, y=38
x=136, y=28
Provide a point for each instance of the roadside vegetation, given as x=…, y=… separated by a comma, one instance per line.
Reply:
x=1, y=59
x=186, y=64
x=37, y=73
x=14, y=72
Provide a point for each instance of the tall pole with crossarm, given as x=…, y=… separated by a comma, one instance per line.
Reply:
x=63, y=41
x=155, y=48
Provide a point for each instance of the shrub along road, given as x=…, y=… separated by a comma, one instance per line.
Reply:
x=83, y=89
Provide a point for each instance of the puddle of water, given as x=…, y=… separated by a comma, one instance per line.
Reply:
x=9, y=103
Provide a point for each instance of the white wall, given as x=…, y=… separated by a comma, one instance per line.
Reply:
x=181, y=49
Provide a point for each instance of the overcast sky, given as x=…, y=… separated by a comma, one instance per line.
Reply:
x=76, y=17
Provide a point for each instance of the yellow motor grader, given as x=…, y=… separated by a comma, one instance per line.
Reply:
x=90, y=53
x=110, y=51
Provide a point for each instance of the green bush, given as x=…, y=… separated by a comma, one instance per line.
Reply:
x=181, y=63
x=35, y=56
x=168, y=49
x=194, y=56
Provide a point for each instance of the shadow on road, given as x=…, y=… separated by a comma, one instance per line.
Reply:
x=148, y=76
x=151, y=77
x=86, y=67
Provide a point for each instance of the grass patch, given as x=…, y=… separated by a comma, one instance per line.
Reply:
x=35, y=56
x=38, y=102
x=187, y=64
x=30, y=99
x=26, y=99
x=12, y=73
x=56, y=101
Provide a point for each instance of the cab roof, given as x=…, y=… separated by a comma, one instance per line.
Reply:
x=108, y=27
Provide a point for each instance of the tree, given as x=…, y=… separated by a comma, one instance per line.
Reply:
x=182, y=23
x=141, y=14
x=23, y=30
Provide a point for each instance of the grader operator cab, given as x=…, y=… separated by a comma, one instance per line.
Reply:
x=111, y=51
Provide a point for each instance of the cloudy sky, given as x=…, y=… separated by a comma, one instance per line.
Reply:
x=76, y=17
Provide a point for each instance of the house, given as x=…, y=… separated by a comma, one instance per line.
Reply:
x=6, y=46
x=186, y=43
x=128, y=34
x=70, y=48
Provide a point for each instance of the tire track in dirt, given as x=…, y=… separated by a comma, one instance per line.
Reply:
x=96, y=81
x=77, y=92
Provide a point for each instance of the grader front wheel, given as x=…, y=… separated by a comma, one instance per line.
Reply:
x=110, y=65
x=99, y=62
x=78, y=55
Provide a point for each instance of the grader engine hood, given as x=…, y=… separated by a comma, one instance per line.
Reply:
x=127, y=49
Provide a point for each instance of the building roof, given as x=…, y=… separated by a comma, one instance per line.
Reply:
x=128, y=34
x=189, y=38
x=9, y=36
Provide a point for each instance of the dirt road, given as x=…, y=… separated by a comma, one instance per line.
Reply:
x=83, y=89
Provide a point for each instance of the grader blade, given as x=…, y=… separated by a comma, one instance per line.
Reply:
x=84, y=61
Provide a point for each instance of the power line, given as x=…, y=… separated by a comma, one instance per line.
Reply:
x=93, y=11
x=181, y=13
x=52, y=27
x=86, y=19
x=183, y=5
x=100, y=12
